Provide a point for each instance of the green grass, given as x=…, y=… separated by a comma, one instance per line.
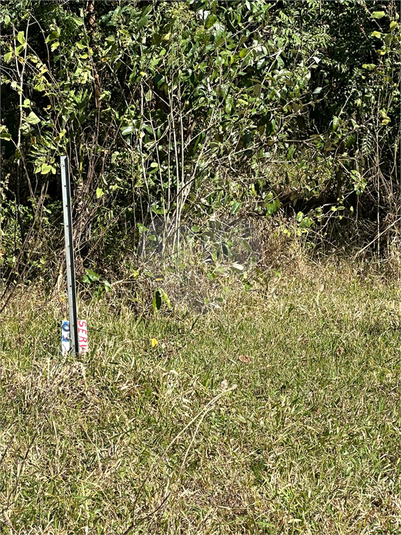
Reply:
x=277, y=413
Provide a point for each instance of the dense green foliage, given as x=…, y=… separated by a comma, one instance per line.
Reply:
x=171, y=112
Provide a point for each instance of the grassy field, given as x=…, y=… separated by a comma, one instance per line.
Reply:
x=276, y=413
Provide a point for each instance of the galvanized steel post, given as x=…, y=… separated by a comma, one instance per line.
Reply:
x=69, y=253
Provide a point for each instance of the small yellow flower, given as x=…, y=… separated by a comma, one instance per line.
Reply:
x=154, y=342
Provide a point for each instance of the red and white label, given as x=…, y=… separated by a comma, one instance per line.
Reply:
x=82, y=336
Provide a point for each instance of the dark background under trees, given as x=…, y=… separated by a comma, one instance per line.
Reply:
x=173, y=112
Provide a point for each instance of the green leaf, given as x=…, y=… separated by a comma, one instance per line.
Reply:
x=210, y=21
x=32, y=118
x=54, y=46
x=378, y=14
x=128, y=130
x=53, y=36
x=6, y=136
x=78, y=21
x=229, y=105
x=235, y=208
x=142, y=22
x=376, y=34
x=99, y=193
x=393, y=25
x=318, y=90
x=90, y=276
x=336, y=122
x=8, y=57
x=165, y=298
x=306, y=222
x=272, y=207
x=45, y=169
x=21, y=38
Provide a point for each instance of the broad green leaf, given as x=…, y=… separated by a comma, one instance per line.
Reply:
x=90, y=276
x=306, y=222
x=271, y=208
x=210, y=21
x=376, y=34
x=78, y=21
x=54, y=46
x=21, y=38
x=128, y=130
x=99, y=193
x=6, y=136
x=318, y=90
x=142, y=22
x=45, y=169
x=8, y=57
x=378, y=14
x=32, y=118
x=393, y=25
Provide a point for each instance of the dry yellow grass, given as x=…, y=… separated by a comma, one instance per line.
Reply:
x=188, y=435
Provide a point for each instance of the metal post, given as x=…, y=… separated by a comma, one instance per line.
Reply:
x=69, y=253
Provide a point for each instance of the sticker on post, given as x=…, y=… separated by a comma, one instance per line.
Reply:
x=82, y=336
x=65, y=337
